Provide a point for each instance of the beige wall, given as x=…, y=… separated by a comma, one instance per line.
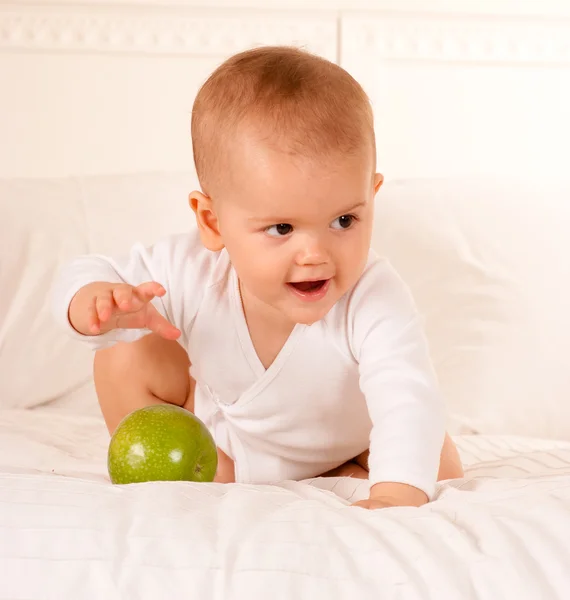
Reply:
x=102, y=87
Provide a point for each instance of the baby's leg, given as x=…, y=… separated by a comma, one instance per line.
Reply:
x=146, y=372
x=449, y=465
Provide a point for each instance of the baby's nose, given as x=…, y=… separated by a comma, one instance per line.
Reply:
x=312, y=251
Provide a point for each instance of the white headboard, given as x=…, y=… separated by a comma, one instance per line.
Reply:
x=107, y=87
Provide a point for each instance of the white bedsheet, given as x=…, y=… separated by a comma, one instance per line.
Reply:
x=67, y=533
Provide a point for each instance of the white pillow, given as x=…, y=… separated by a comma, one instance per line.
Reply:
x=46, y=222
x=489, y=265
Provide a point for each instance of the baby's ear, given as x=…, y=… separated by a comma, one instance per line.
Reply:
x=378, y=181
x=207, y=221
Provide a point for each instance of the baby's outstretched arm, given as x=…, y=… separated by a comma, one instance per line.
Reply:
x=102, y=300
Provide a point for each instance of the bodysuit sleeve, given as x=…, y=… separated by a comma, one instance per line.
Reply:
x=179, y=263
x=397, y=380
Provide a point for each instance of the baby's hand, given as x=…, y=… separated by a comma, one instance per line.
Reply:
x=387, y=495
x=101, y=307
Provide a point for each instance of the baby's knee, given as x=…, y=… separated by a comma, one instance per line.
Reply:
x=119, y=365
x=142, y=373
x=146, y=357
x=151, y=364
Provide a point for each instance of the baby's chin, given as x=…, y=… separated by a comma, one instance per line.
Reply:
x=311, y=313
x=308, y=317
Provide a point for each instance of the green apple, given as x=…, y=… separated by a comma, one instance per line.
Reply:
x=161, y=443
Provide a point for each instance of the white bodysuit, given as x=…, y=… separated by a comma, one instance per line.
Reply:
x=359, y=377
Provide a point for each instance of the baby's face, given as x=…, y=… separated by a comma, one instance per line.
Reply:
x=297, y=230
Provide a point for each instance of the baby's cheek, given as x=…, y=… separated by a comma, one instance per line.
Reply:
x=269, y=266
x=261, y=273
x=348, y=277
x=354, y=261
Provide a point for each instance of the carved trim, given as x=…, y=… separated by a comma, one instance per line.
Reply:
x=161, y=32
x=519, y=8
x=452, y=39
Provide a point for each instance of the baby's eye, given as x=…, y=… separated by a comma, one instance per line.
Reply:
x=343, y=222
x=279, y=230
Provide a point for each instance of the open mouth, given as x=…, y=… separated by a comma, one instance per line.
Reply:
x=310, y=291
x=308, y=287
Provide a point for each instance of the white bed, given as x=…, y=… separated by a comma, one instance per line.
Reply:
x=473, y=129
x=502, y=532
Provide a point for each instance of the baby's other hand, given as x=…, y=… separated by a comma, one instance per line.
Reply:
x=389, y=495
x=374, y=503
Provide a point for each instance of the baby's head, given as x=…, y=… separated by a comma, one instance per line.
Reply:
x=285, y=153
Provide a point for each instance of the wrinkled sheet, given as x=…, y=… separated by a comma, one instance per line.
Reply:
x=66, y=533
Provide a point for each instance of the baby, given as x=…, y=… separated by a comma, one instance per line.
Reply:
x=272, y=320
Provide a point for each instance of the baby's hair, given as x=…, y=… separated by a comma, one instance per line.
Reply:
x=296, y=101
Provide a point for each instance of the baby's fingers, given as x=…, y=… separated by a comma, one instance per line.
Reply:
x=125, y=299
x=147, y=291
x=157, y=323
x=93, y=322
x=104, y=306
